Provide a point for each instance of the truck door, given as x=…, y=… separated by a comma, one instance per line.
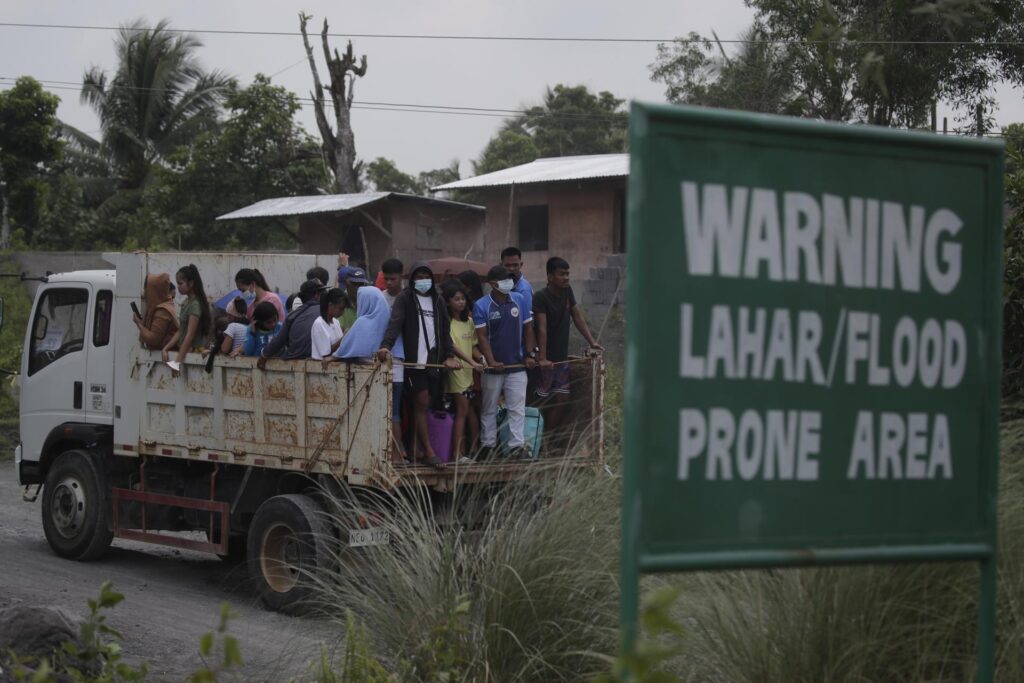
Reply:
x=54, y=364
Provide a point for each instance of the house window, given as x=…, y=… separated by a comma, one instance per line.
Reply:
x=533, y=228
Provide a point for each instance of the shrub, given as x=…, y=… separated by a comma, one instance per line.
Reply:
x=16, y=309
x=523, y=587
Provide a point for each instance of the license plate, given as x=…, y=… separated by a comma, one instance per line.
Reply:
x=373, y=536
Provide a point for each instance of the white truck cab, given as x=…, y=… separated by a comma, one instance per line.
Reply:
x=67, y=368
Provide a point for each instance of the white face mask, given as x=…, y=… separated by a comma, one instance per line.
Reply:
x=505, y=286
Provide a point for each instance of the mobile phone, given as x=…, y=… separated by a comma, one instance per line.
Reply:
x=135, y=309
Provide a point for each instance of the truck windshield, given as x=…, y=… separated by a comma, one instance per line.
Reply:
x=58, y=327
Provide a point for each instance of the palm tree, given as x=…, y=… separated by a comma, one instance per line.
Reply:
x=158, y=99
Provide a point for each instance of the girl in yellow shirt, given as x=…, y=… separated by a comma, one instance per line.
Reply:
x=459, y=383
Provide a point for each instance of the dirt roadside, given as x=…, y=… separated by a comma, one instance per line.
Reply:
x=172, y=597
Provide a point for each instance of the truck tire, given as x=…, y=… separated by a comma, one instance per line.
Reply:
x=288, y=547
x=76, y=508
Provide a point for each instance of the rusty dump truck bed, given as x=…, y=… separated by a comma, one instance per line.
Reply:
x=294, y=415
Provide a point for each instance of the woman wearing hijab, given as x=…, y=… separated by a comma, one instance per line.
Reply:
x=364, y=337
x=159, y=324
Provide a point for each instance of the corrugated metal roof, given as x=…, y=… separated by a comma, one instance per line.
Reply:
x=553, y=169
x=327, y=203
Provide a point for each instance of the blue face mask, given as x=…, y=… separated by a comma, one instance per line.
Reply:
x=505, y=286
x=248, y=297
x=423, y=286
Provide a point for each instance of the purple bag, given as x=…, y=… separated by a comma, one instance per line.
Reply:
x=439, y=430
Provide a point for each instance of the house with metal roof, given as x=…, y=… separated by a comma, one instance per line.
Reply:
x=573, y=207
x=374, y=226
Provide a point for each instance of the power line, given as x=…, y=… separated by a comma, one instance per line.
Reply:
x=440, y=109
x=368, y=105
x=538, y=39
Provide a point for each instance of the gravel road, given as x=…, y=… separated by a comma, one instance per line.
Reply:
x=172, y=597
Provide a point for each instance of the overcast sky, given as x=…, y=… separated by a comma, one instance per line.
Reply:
x=477, y=73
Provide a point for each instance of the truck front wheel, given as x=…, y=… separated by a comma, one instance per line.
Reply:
x=75, y=507
x=288, y=547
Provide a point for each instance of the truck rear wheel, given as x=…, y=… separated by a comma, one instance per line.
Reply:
x=287, y=548
x=76, y=510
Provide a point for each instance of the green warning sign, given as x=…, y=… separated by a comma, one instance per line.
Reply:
x=813, y=354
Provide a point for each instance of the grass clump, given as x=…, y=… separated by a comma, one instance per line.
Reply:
x=517, y=583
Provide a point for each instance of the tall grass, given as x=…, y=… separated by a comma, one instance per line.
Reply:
x=17, y=305
x=873, y=623
x=517, y=583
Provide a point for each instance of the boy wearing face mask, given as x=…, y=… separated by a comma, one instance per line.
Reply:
x=502, y=322
x=420, y=317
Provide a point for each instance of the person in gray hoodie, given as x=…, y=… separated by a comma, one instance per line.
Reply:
x=421, y=318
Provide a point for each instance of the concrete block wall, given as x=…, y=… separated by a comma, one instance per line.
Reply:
x=603, y=288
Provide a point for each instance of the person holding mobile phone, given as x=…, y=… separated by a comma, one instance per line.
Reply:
x=158, y=323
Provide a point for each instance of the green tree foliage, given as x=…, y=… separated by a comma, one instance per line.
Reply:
x=439, y=176
x=258, y=152
x=759, y=77
x=29, y=146
x=385, y=176
x=844, y=66
x=1013, y=264
x=570, y=120
x=573, y=120
x=254, y=151
x=158, y=99
x=507, y=148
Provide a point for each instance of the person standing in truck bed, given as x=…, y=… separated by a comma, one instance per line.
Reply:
x=553, y=308
x=420, y=317
x=502, y=324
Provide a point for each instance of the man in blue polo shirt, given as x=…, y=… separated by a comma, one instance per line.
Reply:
x=502, y=321
x=512, y=260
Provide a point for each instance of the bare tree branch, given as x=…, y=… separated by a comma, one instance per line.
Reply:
x=338, y=146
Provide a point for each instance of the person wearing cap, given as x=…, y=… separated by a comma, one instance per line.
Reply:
x=351, y=279
x=502, y=322
x=294, y=341
x=420, y=318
